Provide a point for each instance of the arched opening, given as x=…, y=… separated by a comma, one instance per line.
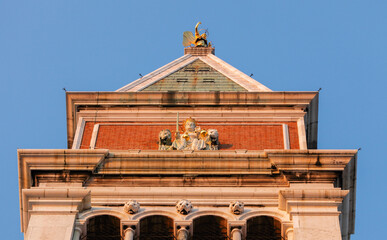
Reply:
x=263, y=228
x=156, y=227
x=210, y=228
x=104, y=227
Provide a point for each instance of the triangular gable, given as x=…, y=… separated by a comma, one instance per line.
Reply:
x=195, y=77
x=231, y=78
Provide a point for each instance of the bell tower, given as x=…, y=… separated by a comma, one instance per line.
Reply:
x=193, y=150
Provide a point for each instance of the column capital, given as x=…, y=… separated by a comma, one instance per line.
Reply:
x=78, y=229
x=129, y=229
x=77, y=233
x=182, y=234
x=129, y=232
x=236, y=234
x=289, y=233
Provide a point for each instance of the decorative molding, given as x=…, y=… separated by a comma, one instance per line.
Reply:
x=276, y=214
x=79, y=133
x=188, y=162
x=308, y=160
x=93, y=212
x=199, y=213
x=167, y=213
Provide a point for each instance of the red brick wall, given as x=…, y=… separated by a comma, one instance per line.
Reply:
x=235, y=136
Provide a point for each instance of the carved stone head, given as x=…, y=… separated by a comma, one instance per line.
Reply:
x=237, y=207
x=184, y=206
x=213, y=139
x=165, y=139
x=132, y=207
x=165, y=134
x=190, y=124
x=213, y=133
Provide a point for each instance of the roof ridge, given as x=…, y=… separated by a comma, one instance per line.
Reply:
x=227, y=70
x=153, y=73
x=252, y=81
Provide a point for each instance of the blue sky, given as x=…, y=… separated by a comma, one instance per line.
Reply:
x=339, y=46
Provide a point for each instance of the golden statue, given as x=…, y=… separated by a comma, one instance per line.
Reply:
x=194, y=138
x=199, y=40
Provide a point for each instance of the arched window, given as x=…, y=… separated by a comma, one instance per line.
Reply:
x=156, y=228
x=103, y=227
x=263, y=228
x=210, y=228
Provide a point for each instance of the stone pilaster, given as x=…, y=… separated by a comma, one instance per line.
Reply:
x=313, y=212
x=52, y=212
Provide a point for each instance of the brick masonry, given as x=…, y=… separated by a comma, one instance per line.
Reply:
x=235, y=136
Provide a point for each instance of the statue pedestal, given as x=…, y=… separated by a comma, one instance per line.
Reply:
x=199, y=51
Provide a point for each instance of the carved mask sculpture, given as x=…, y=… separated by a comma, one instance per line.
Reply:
x=184, y=206
x=132, y=207
x=237, y=207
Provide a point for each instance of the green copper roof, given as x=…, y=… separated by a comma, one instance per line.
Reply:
x=196, y=77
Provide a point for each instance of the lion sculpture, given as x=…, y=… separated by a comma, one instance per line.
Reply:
x=132, y=207
x=237, y=207
x=165, y=139
x=213, y=140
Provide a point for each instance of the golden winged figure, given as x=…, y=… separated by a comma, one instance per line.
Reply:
x=199, y=40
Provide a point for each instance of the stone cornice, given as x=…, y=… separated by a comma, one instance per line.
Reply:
x=128, y=100
x=191, y=98
x=56, y=159
x=187, y=162
x=101, y=161
x=311, y=159
x=53, y=159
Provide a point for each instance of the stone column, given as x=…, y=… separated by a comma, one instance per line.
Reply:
x=182, y=234
x=77, y=233
x=236, y=234
x=129, y=233
x=289, y=234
